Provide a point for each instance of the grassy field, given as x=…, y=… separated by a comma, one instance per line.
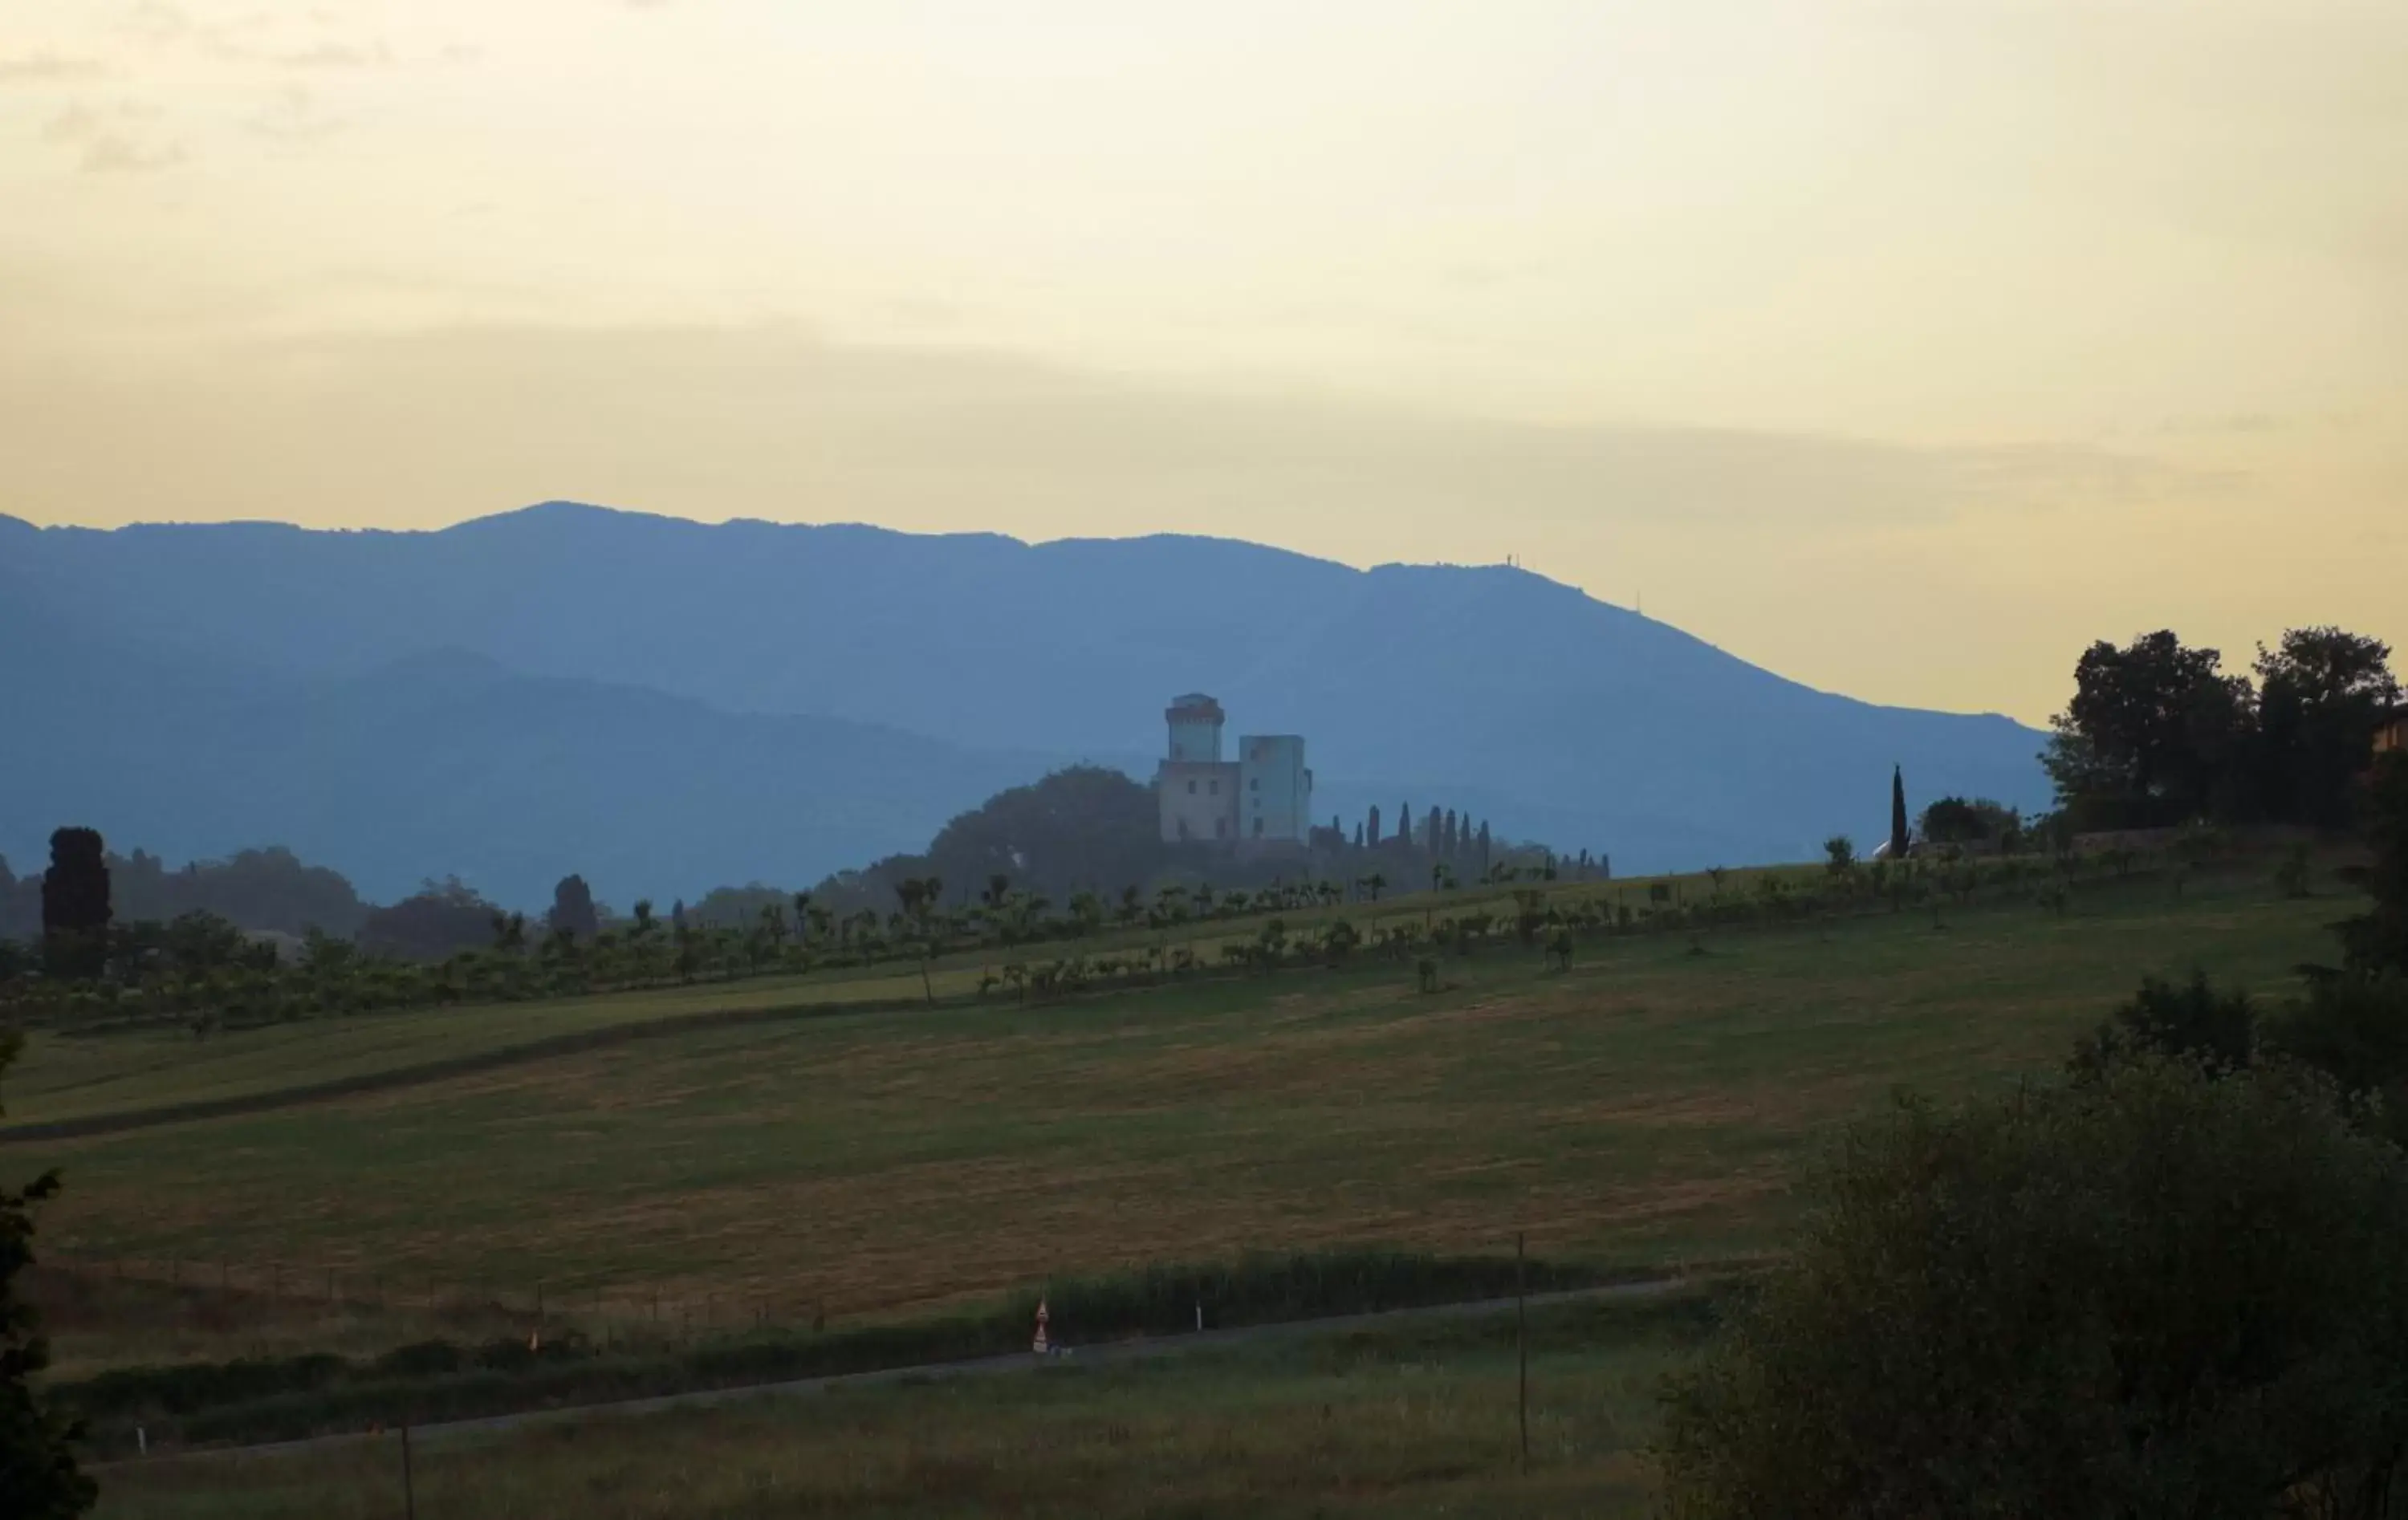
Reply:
x=1415, y=1421
x=70, y=1077
x=1650, y=1107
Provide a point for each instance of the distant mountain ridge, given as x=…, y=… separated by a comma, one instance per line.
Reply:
x=552, y=649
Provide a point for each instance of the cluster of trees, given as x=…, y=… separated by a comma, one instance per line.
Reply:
x=1091, y=829
x=448, y=945
x=269, y=891
x=2159, y=733
x=2173, y=1283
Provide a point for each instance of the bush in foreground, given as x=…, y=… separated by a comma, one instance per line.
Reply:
x=2159, y=1291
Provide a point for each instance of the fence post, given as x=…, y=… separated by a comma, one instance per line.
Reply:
x=1522, y=1340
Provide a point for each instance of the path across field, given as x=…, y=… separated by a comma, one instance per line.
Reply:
x=1103, y=1354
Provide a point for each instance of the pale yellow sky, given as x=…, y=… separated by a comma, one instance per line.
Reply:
x=1903, y=347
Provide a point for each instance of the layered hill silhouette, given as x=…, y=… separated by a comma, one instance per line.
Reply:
x=665, y=706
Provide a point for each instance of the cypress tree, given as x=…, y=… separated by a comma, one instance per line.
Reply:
x=1405, y=824
x=1484, y=846
x=572, y=908
x=1446, y=836
x=1371, y=828
x=1358, y=835
x=1897, y=814
x=75, y=913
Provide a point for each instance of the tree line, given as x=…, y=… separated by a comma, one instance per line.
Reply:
x=2159, y=733
x=447, y=943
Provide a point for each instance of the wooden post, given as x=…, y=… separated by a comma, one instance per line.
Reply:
x=1522, y=1340
x=409, y=1483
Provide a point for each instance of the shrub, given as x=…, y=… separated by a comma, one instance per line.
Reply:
x=2192, y=1021
x=2158, y=1293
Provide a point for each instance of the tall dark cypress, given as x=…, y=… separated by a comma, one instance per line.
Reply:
x=1897, y=814
x=1405, y=824
x=75, y=911
x=1371, y=828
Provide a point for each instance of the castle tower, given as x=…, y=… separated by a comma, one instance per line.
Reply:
x=1195, y=722
x=1196, y=788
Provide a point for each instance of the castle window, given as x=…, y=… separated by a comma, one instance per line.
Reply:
x=1254, y=784
x=1216, y=788
x=1191, y=788
x=1259, y=828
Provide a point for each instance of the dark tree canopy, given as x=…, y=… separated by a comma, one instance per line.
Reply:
x=269, y=889
x=2376, y=941
x=1979, y=821
x=1086, y=827
x=75, y=913
x=2321, y=695
x=2153, y=733
x=436, y=922
x=38, y=1478
x=573, y=911
x=2161, y=1293
x=2158, y=733
x=261, y=890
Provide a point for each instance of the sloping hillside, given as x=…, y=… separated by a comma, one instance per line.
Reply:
x=1485, y=688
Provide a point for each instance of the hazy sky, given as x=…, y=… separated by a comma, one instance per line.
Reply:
x=1902, y=346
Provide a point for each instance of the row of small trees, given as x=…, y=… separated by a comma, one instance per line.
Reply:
x=200, y=968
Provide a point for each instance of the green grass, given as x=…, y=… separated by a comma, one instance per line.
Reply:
x=1650, y=1108
x=1406, y=1421
x=65, y=1075
x=70, y=1077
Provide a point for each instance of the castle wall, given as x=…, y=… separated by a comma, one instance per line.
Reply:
x=1277, y=802
x=1198, y=799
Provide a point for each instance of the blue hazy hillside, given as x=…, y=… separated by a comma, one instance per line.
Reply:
x=565, y=686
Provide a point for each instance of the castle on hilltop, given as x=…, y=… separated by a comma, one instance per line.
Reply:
x=1259, y=803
